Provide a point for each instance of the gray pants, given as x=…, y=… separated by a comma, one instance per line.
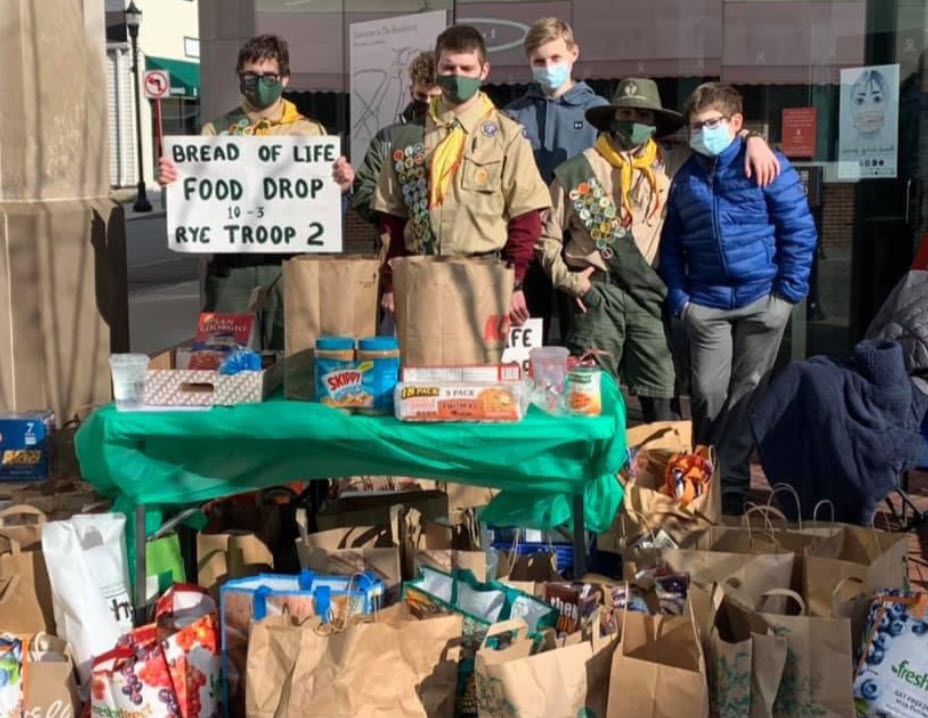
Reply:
x=731, y=355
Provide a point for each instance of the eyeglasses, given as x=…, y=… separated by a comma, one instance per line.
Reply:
x=267, y=78
x=708, y=124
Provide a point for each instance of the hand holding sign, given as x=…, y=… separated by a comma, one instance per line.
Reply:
x=244, y=195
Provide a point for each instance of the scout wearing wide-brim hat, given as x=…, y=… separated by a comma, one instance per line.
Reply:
x=636, y=94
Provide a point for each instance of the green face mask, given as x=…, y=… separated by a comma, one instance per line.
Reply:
x=457, y=88
x=630, y=135
x=260, y=92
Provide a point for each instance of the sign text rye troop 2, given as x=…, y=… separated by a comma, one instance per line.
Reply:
x=239, y=195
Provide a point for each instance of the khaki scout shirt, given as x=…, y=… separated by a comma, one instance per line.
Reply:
x=243, y=120
x=581, y=251
x=496, y=181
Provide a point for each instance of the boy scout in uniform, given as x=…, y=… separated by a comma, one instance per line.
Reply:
x=466, y=184
x=231, y=279
x=612, y=201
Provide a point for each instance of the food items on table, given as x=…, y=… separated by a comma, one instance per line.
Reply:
x=338, y=381
x=479, y=374
x=11, y=676
x=379, y=364
x=218, y=335
x=892, y=674
x=458, y=401
x=575, y=603
x=584, y=391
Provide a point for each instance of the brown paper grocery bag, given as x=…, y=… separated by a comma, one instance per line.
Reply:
x=25, y=592
x=373, y=509
x=451, y=311
x=50, y=690
x=658, y=669
x=60, y=499
x=231, y=554
x=348, y=551
x=817, y=676
x=645, y=509
x=745, y=660
x=566, y=681
x=394, y=666
x=877, y=558
x=324, y=295
x=428, y=543
x=23, y=523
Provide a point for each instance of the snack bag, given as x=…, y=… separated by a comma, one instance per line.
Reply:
x=11, y=677
x=892, y=674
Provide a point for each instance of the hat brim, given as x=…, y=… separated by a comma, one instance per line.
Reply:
x=667, y=121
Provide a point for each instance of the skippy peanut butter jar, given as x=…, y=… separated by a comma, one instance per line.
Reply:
x=362, y=381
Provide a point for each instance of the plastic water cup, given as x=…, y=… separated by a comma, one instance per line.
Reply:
x=129, y=373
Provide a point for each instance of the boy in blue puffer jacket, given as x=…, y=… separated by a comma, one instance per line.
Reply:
x=736, y=258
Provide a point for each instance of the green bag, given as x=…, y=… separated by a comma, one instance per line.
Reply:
x=164, y=566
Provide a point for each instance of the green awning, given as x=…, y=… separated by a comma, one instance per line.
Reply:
x=184, y=76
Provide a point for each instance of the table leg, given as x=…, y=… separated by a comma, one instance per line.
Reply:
x=140, y=568
x=579, y=539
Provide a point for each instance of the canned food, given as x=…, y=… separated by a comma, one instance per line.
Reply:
x=584, y=391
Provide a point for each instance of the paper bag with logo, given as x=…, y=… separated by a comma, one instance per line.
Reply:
x=348, y=551
x=324, y=295
x=652, y=446
x=25, y=594
x=451, y=311
x=745, y=661
x=658, y=669
x=393, y=666
x=232, y=554
x=50, y=690
x=427, y=543
x=574, y=675
x=817, y=676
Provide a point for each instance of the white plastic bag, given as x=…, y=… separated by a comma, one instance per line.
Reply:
x=88, y=572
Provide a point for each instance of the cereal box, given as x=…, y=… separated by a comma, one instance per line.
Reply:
x=26, y=445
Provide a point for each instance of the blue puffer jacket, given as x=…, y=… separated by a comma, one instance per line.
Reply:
x=727, y=242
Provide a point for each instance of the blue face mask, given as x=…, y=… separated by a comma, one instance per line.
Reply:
x=552, y=77
x=711, y=142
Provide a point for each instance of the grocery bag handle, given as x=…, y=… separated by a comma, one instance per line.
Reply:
x=841, y=584
x=824, y=502
x=22, y=510
x=788, y=594
x=164, y=605
x=764, y=510
x=120, y=652
x=635, y=513
x=15, y=547
x=7, y=593
x=596, y=623
x=780, y=488
x=513, y=624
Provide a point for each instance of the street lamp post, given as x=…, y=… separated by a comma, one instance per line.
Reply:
x=133, y=20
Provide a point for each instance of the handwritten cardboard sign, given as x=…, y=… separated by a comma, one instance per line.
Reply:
x=263, y=195
x=521, y=341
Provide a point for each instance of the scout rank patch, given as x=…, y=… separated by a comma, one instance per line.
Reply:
x=411, y=172
x=598, y=214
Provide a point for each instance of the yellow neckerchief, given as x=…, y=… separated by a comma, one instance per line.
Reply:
x=642, y=161
x=447, y=155
x=263, y=125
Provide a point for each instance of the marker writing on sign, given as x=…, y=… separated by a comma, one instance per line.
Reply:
x=301, y=153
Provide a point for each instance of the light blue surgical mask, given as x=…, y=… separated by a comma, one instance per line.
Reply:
x=711, y=142
x=551, y=77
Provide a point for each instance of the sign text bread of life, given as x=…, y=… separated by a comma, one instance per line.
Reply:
x=240, y=195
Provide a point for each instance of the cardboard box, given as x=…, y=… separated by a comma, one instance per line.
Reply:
x=167, y=385
x=26, y=445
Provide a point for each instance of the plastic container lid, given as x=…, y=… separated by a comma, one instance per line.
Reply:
x=378, y=344
x=334, y=343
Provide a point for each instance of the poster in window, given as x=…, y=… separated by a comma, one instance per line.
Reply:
x=868, y=141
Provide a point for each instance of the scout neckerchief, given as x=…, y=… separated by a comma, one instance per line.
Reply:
x=241, y=124
x=643, y=161
x=446, y=158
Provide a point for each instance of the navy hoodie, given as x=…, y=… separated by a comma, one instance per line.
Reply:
x=557, y=128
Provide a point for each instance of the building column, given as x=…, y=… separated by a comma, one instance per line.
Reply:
x=64, y=300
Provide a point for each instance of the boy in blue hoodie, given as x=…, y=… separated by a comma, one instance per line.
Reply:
x=553, y=115
x=736, y=258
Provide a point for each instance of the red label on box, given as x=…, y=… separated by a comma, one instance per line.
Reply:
x=799, y=128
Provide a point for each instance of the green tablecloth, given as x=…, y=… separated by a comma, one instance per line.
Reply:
x=163, y=459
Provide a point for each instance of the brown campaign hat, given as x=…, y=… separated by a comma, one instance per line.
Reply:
x=639, y=94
